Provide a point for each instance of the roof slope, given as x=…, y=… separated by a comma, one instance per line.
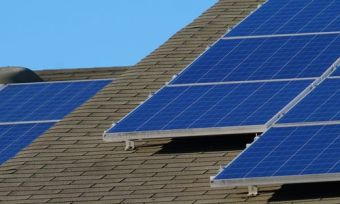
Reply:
x=71, y=163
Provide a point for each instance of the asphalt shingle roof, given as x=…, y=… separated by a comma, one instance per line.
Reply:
x=72, y=164
x=81, y=74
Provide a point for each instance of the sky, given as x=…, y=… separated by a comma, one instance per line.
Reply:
x=50, y=34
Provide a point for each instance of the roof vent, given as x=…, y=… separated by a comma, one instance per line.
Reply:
x=17, y=75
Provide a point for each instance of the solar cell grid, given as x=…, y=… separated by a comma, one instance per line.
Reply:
x=45, y=101
x=16, y=137
x=288, y=151
x=322, y=104
x=208, y=106
x=39, y=102
x=290, y=17
x=264, y=59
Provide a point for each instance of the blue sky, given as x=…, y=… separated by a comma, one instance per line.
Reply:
x=45, y=34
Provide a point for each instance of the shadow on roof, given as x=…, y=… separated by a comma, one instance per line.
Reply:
x=306, y=191
x=207, y=144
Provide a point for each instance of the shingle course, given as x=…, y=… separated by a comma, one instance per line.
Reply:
x=81, y=74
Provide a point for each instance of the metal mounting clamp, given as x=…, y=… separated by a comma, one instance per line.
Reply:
x=129, y=145
x=252, y=190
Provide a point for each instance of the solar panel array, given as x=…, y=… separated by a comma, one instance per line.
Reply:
x=181, y=105
x=28, y=110
x=303, y=145
x=291, y=17
x=246, y=78
x=264, y=59
x=214, y=91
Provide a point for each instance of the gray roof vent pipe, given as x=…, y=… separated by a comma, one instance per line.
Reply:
x=17, y=75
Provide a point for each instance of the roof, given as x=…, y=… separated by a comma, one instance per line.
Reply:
x=81, y=73
x=71, y=163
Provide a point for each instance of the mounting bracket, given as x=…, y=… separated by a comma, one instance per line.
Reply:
x=252, y=190
x=129, y=145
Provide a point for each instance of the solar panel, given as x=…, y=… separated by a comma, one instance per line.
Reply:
x=210, y=106
x=17, y=136
x=45, y=101
x=322, y=104
x=263, y=59
x=27, y=110
x=290, y=17
x=287, y=155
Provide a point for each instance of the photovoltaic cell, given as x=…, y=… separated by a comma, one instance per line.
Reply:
x=45, y=101
x=290, y=17
x=208, y=106
x=322, y=104
x=263, y=59
x=288, y=151
x=16, y=137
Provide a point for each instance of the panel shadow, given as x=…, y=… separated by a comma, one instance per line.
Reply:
x=306, y=191
x=207, y=144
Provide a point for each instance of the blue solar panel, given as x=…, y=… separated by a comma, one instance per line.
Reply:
x=291, y=16
x=289, y=151
x=16, y=137
x=264, y=58
x=322, y=104
x=207, y=106
x=45, y=101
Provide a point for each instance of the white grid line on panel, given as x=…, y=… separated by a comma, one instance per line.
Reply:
x=279, y=35
x=242, y=82
x=29, y=122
